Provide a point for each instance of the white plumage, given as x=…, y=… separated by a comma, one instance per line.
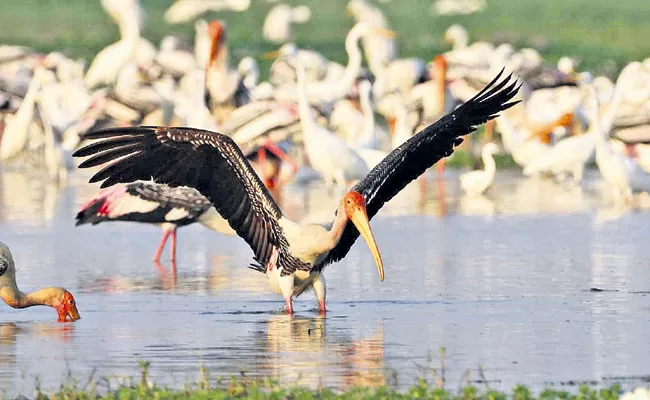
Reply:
x=188, y=10
x=474, y=183
x=329, y=155
x=278, y=22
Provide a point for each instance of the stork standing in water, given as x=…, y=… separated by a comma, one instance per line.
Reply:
x=58, y=298
x=153, y=203
x=292, y=255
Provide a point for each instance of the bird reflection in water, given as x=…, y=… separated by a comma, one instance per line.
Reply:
x=300, y=350
x=211, y=281
x=10, y=333
x=476, y=205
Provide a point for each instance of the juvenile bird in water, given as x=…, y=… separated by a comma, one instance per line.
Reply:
x=58, y=298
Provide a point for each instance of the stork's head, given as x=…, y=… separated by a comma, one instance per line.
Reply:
x=217, y=34
x=354, y=205
x=66, y=306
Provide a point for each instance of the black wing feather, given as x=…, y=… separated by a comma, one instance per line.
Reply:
x=208, y=161
x=419, y=153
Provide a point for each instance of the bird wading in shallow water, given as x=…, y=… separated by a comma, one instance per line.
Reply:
x=153, y=203
x=292, y=255
x=58, y=298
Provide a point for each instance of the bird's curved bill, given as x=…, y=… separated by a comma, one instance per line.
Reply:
x=359, y=218
x=385, y=32
x=271, y=55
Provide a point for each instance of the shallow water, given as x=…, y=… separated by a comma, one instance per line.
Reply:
x=502, y=282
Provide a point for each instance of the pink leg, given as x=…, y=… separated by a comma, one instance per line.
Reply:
x=161, y=245
x=172, y=265
x=173, y=255
x=161, y=269
x=288, y=301
x=321, y=307
x=173, y=249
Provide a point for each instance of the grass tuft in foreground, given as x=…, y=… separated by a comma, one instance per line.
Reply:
x=247, y=388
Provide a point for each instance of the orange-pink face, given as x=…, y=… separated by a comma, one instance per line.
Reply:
x=217, y=35
x=355, y=209
x=67, y=309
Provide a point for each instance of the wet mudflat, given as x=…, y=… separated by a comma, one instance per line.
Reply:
x=539, y=283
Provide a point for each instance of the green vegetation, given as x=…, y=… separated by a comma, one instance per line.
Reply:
x=242, y=388
x=605, y=34
x=255, y=388
x=239, y=389
x=246, y=388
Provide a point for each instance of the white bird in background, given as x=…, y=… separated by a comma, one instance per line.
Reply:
x=328, y=154
x=174, y=59
x=457, y=7
x=15, y=135
x=403, y=127
x=367, y=141
x=346, y=119
x=464, y=55
x=183, y=11
x=622, y=173
x=325, y=93
x=569, y=155
x=57, y=160
x=379, y=50
x=250, y=72
x=277, y=24
x=224, y=85
x=475, y=183
x=107, y=64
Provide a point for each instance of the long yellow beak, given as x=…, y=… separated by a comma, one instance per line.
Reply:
x=385, y=32
x=271, y=55
x=359, y=218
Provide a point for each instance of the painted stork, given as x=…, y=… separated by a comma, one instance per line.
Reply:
x=153, y=203
x=292, y=255
x=58, y=298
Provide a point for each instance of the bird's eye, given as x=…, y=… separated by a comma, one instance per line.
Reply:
x=71, y=302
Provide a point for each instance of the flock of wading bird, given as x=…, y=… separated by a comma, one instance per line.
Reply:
x=182, y=137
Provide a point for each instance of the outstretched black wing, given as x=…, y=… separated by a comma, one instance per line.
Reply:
x=419, y=153
x=207, y=161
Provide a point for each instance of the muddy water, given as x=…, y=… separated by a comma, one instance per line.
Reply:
x=502, y=281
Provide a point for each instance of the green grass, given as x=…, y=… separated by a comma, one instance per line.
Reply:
x=605, y=34
x=246, y=388
x=241, y=389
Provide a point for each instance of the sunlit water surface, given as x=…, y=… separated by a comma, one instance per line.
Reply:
x=503, y=282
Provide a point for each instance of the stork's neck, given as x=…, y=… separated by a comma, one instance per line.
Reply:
x=607, y=120
x=129, y=27
x=307, y=121
x=16, y=299
x=367, y=138
x=353, y=67
x=338, y=226
x=460, y=41
x=488, y=162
